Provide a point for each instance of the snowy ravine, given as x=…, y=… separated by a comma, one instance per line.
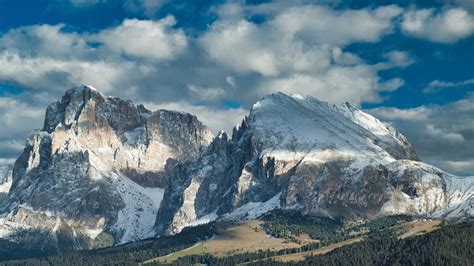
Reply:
x=136, y=220
x=103, y=171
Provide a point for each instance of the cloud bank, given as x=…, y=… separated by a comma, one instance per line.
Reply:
x=245, y=52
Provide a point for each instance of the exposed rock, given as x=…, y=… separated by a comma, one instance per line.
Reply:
x=98, y=165
x=335, y=161
x=103, y=168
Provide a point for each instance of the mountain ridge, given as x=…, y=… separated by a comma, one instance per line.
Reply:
x=103, y=171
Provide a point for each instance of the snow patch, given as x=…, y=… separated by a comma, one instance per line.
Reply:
x=253, y=210
x=211, y=217
x=137, y=219
x=460, y=192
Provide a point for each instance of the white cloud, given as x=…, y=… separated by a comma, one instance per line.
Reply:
x=234, y=58
x=399, y=58
x=323, y=25
x=17, y=120
x=43, y=57
x=238, y=45
x=294, y=54
x=58, y=74
x=206, y=93
x=145, y=38
x=445, y=26
x=438, y=133
x=358, y=83
x=412, y=114
x=292, y=41
x=45, y=41
x=441, y=134
x=437, y=85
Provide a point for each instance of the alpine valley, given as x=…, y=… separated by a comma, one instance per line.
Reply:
x=106, y=175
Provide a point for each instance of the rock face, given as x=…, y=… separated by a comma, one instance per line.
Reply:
x=98, y=166
x=103, y=171
x=300, y=153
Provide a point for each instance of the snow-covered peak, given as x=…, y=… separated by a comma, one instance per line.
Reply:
x=391, y=139
x=309, y=123
x=303, y=124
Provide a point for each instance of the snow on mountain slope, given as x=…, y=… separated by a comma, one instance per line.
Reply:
x=460, y=192
x=253, y=210
x=102, y=167
x=136, y=220
x=392, y=140
x=318, y=158
x=310, y=131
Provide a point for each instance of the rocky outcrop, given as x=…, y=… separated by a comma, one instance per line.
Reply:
x=99, y=165
x=103, y=171
x=300, y=153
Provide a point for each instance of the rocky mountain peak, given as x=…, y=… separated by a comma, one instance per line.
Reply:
x=100, y=165
x=104, y=169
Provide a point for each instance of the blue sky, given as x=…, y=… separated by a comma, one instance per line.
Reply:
x=411, y=65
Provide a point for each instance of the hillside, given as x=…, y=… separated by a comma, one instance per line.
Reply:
x=451, y=243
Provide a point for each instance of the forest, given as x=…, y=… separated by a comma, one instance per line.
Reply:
x=452, y=244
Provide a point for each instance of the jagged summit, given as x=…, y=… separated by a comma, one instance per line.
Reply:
x=99, y=164
x=103, y=168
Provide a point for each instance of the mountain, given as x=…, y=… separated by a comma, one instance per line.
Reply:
x=98, y=165
x=300, y=153
x=103, y=171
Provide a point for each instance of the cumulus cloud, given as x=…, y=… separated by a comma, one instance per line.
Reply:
x=46, y=58
x=234, y=58
x=17, y=116
x=294, y=54
x=398, y=59
x=144, y=38
x=17, y=119
x=358, y=83
x=445, y=26
x=441, y=134
x=45, y=41
x=140, y=58
x=55, y=75
x=337, y=27
x=292, y=41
